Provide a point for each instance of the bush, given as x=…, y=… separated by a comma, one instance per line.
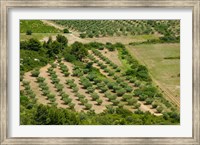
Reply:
x=65, y=30
x=27, y=87
x=120, y=105
x=126, y=97
x=97, y=80
x=80, y=96
x=25, y=83
x=62, y=40
x=28, y=32
x=149, y=101
x=120, y=92
x=64, y=95
x=111, y=73
x=83, y=101
x=112, y=97
x=66, y=74
x=70, y=57
x=115, y=102
x=94, y=96
x=99, y=101
x=34, y=44
x=71, y=105
x=137, y=105
x=40, y=79
x=142, y=97
x=131, y=101
x=59, y=87
x=75, y=89
x=67, y=100
x=53, y=65
x=52, y=100
x=45, y=92
x=55, y=81
x=49, y=96
x=82, y=35
x=103, y=89
x=159, y=109
x=155, y=105
x=35, y=73
x=129, y=89
x=88, y=106
x=118, y=70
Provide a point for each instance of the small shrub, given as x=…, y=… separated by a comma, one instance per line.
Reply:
x=90, y=90
x=115, y=102
x=71, y=105
x=137, y=105
x=53, y=65
x=52, y=99
x=65, y=30
x=103, y=89
x=121, y=92
x=75, y=89
x=131, y=101
x=66, y=74
x=155, y=105
x=25, y=83
x=28, y=32
x=94, y=96
x=35, y=73
x=50, y=96
x=99, y=101
x=67, y=100
x=88, y=106
x=120, y=105
x=46, y=92
x=149, y=101
x=40, y=79
x=159, y=109
x=126, y=97
x=142, y=97
x=59, y=87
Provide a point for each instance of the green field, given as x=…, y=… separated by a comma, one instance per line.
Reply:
x=165, y=71
x=36, y=26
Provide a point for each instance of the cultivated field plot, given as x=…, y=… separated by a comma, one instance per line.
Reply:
x=164, y=65
x=99, y=72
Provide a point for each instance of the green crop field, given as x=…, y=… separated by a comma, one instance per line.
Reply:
x=36, y=26
x=99, y=72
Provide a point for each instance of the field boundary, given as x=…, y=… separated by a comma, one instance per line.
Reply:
x=166, y=91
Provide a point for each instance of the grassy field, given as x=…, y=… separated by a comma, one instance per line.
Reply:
x=36, y=26
x=165, y=71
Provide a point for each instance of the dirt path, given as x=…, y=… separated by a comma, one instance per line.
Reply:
x=72, y=37
x=166, y=91
x=50, y=23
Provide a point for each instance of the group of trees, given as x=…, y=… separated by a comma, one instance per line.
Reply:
x=46, y=115
x=136, y=70
x=101, y=28
x=34, y=54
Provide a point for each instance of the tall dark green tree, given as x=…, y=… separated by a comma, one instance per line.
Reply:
x=79, y=50
x=34, y=44
x=62, y=40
